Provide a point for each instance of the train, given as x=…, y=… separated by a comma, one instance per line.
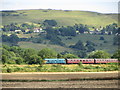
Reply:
x=76, y=61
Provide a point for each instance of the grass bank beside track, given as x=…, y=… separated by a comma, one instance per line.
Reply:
x=60, y=68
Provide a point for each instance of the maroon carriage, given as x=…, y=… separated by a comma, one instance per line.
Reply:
x=75, y=61
x=106, y=61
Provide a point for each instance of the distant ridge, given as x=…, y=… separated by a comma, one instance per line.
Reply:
x=63, y=17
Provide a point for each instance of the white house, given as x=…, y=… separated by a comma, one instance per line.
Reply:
x=18, y=31
x=37, y=30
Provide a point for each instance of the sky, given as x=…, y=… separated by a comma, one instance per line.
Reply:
x=101, y=6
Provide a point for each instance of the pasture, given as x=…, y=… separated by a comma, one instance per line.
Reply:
x=64, y=18
x=60, y=80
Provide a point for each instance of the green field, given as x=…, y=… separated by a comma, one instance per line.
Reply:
x=63, y=18
x=41, y=46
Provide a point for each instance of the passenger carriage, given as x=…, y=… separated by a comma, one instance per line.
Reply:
x=75, y=61
x=55, y=61
x=106, y=61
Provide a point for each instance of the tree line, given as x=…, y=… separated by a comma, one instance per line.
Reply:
x=17, y=55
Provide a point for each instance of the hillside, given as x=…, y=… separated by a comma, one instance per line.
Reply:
x=101, y=45
x=63, y=17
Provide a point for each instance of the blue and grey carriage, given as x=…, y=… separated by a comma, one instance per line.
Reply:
x=55, y=61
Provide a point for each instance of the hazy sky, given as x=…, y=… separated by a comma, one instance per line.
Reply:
x=103, y=6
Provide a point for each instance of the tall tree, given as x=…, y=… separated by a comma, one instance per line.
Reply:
x=47, y=53
x=79, y=45
x=99, y=54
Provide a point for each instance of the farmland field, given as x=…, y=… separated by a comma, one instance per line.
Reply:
x=61, y=80
x=63, y=84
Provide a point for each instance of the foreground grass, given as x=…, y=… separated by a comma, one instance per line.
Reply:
x=60, y=68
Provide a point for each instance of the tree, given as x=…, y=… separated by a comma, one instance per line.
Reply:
x=90, y=43
x=79, y=45
x=112, y=28
x=11, y=39
x=81, y=28
x=4, y=59
x=102, y=38
x=81, y=54
x=116, y=40
x=90, y=48
x=103, y=31
x=50, y=23
x=116, y=54
x=28, y=53
x=67, y=31
x=52, y=36
x=19, y=60
x=70, y=31
x=59, y=55
x=99, y=54
x=70, y=56
x=35, y=59
x=47, y=53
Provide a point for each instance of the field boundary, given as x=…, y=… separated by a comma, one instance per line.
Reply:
x=59, y=72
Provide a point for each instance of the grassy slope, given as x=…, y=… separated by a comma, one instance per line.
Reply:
x=41, y=46
x=62, y=17
x=94, y=38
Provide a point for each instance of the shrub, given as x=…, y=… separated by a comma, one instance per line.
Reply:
x=101, y=38
x=80, y=64
x=9, y=70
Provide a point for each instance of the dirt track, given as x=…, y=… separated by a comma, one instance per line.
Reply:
x=61, y=76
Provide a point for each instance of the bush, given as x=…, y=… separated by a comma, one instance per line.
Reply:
x=18, y=69
x=101, y=38
x=99, y=54
x=105, y=41
x=80, y=64
x=9, y=70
